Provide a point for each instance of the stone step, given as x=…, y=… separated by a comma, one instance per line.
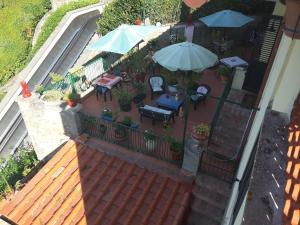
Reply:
x=234, y=137
x=199, y=218
x=213, y=184
x=203, y=194
x=211, y=212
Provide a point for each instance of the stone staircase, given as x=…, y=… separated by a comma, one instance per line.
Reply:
x=210, y=198
x=229, y=130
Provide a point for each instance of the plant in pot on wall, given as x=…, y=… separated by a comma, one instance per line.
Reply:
x=140, y=90
x=224, y=73
x=201, y=131
x=124, y=99
x=39, y=89
x=72, y=97
x=52, y=96
x=150, y=140
x=176, y=148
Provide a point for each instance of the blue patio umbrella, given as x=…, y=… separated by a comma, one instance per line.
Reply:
x=185, y=56
x=122, y=39
x=226, y=18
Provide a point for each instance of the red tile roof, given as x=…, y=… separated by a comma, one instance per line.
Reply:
x=80, y=185
x=291, y=209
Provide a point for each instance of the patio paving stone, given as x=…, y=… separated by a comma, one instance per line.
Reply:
x=204, y=112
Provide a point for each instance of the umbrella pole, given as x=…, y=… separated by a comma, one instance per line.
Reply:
x=186, y=110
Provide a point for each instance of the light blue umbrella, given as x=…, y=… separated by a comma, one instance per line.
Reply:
x=122, y=39
x=185, y=56
x=226, y=18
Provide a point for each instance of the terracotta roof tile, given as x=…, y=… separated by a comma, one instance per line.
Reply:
x=291, y=209
x=80, y=185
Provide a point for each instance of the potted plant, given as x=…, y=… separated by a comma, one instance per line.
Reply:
x=140, y=92
x=176, y=148
x=103, y=129
x=72, y=97
x=39, y=89
x=124, y=99
x=201, y=131
x=127, y=121
x=224, y=73
x=52, y=96
x=150, y=140
x=107, y=115
x=120, y=132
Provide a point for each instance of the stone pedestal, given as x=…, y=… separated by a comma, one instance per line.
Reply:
x=191, y=157
x=71, y=120
x=49, y=124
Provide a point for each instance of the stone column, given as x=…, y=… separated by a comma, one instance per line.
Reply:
x=192, y=154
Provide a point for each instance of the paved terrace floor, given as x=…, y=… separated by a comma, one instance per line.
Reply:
x=204, y=112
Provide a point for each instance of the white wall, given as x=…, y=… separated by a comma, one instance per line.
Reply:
x=281, y=59
x=279, y=9
x=288, y=86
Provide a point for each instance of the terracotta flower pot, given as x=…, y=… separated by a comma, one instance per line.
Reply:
x=138, y=22
x=200, y=137
x=176, y=155
x=71, y=103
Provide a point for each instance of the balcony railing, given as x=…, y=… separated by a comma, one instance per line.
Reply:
x=133, y=139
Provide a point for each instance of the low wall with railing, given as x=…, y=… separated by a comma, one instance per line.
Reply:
x=133, y=139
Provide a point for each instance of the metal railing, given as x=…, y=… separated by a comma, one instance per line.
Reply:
x=133, y=139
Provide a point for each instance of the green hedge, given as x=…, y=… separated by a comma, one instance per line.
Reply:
x=18, y=19
x=127, y=11
x=54, y=19
x=15, y=168
x=253, y=7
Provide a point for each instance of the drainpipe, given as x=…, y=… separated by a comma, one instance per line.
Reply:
x=282, y=57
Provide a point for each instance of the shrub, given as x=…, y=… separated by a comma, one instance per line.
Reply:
x=119, y=12
x=212, y=6
x=15, y=168
x=127, y=11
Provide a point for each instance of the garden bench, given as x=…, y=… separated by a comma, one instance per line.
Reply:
x=156, y=114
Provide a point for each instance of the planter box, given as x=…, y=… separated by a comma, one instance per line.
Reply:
x=107, y=118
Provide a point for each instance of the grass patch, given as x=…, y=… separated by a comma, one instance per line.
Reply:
x=54, y=19
x=18, y=19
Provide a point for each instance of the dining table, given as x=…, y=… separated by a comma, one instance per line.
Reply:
x=105, y=82
x=108, y=80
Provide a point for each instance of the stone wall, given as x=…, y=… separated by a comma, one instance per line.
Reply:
x=49, y=124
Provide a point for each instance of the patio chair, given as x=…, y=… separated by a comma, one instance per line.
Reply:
x=202, y=91
x=157, y=84
x=102, y=91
